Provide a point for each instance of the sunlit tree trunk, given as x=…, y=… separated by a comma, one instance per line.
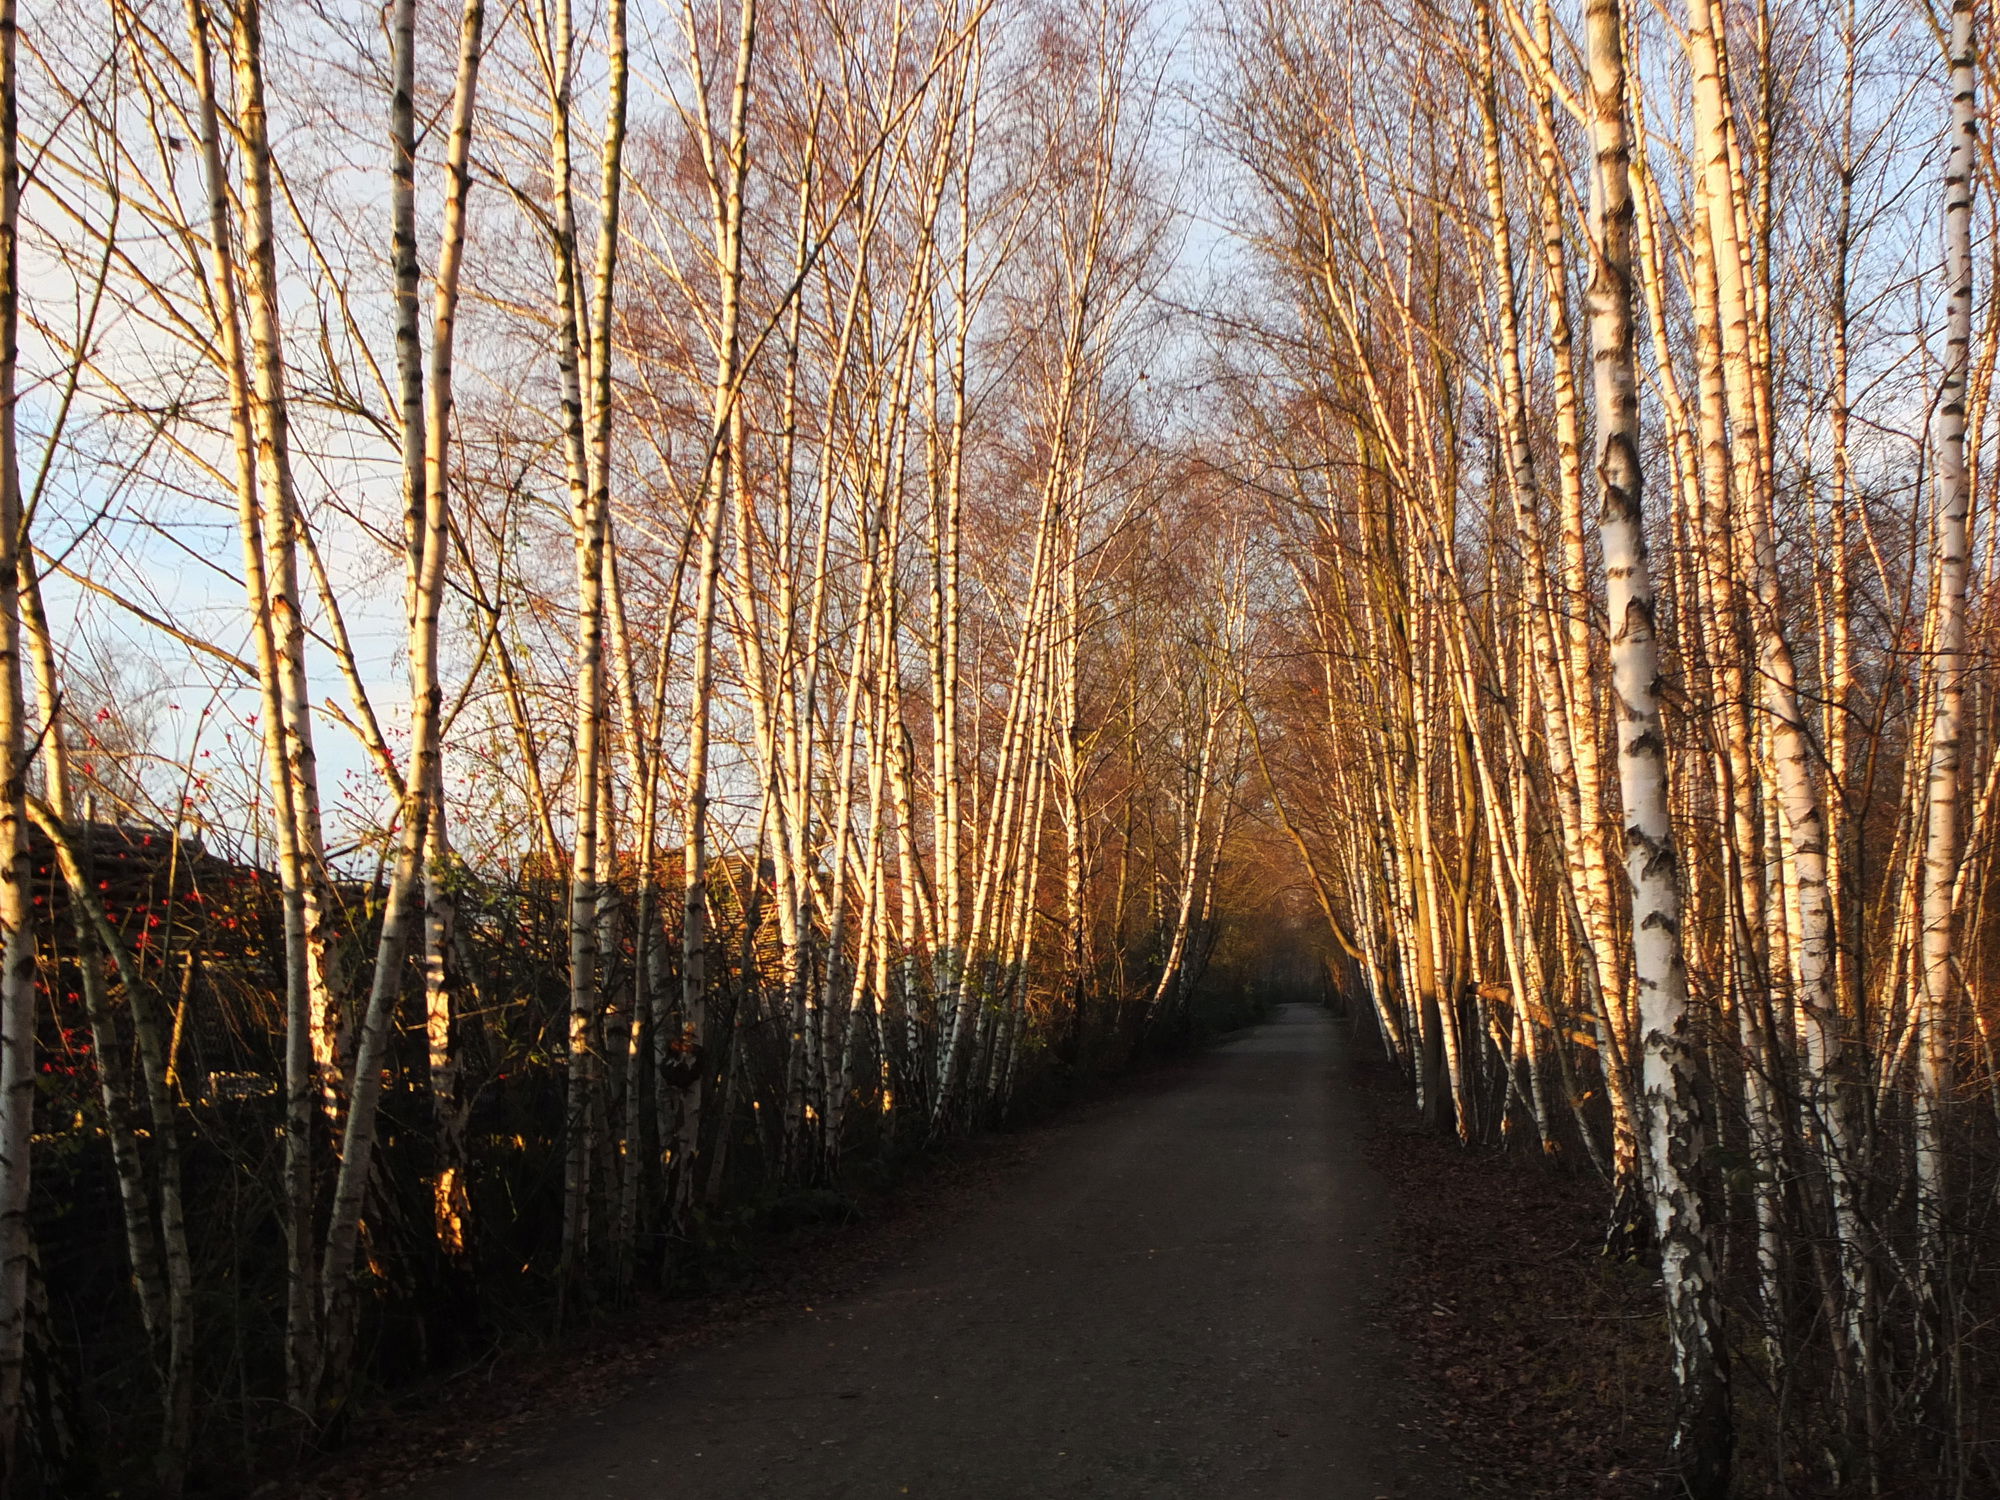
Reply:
x=303, y=1031
x=1590, y=861
x=426, y=413
x=270, y=426
x=728, y=171
x=1951, y=573
x=1701, y=1446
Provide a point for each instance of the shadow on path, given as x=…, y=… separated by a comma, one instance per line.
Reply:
x=1172, y=1300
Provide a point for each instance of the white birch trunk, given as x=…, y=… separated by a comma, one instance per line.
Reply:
x=1951, y=572
x=1701, y=1443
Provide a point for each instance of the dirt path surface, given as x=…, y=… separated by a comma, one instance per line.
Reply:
x=1174, y=1299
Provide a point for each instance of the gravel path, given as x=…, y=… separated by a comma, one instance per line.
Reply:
x=1171, y=1300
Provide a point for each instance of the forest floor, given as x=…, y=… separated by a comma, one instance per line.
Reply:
x=1543, y=1360
x=1191, y=1286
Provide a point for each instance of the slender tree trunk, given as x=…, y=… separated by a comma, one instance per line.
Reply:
x=17, y=944
x=1701, y=1442
x=302, y=1029
x=1951, y=572
x=725, y=462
